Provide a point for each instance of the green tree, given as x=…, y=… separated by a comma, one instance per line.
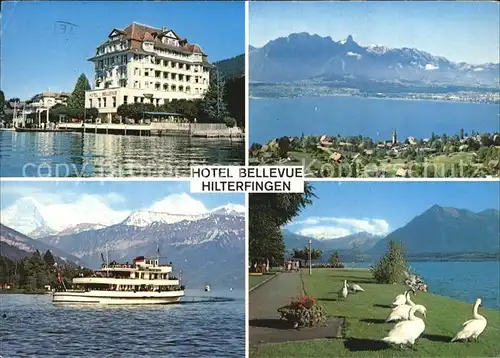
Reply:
x=213, y=104
x=304, y=254
x=268, y=212
x=335, y=260
x=76, y=102
x=92, y=113
x=2, y=101
x=57, y=111
x=392, y=266
x=234, y=96
x=49, y=258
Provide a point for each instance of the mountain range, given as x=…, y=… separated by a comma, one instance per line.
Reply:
x=302, y=56
x=207, y=248
x=439, y=229
x=447, y=230
x=17, y=246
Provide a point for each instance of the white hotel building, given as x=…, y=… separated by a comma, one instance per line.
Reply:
x=143, y=64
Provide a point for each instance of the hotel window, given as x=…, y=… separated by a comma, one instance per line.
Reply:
x=146, y=84
x=165, y=75
x=157, y=101
x=90, y=102
x=136, y=99
x=165, y=87
x=142, y=99
x=146, y=73
x=125, y=99
x=196, y=91
x=104, y=101
x=99, y=102
x=114, y=101
x=136, y=84
x=124, y=58
x=113, y=60
x=196, y=80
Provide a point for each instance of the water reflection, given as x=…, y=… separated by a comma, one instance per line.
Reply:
x=74, y=154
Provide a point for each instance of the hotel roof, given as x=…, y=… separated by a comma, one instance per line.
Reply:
x=139, y=33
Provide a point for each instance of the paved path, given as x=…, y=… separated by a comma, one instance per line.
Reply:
x=264, y=302
x=266, y=327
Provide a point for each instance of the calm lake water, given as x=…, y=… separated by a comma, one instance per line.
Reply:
x=463, y=280
x=74, y=154
x=375, y=118
x=35, y=327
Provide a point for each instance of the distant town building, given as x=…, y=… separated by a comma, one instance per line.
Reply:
x=394, y=137
x=144, y=64
x=46, y=100
x=412, y=140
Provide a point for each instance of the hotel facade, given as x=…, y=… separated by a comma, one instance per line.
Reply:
x=143, y=64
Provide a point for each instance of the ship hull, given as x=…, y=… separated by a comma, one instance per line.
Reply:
x=117, y=297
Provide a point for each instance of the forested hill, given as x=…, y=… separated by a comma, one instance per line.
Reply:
x=232, y=67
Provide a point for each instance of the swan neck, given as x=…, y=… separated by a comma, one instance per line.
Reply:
x=408, y=300
x=475, y=313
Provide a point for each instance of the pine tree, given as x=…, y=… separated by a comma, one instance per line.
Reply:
x=392, y=266
x=2, y=101
x=49, y=258
x=76, y=102
x=213, y=104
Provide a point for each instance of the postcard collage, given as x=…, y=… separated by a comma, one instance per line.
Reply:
x=390, y=247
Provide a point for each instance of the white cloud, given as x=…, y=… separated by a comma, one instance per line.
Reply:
x=339, y=227
x=431, y=67
x=324, y=232
x=179, y=204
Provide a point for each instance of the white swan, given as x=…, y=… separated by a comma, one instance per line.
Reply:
x=402, y=313
x=406, y=331
x=356, y=288
x=343, y=292
x=473, y=327
x=400, y=299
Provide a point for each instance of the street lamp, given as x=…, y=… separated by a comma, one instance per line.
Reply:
x=310, y=263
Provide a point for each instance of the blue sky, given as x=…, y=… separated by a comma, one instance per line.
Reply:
x=39, y=54
x=460, y=31
x=343, y=208
x=107, y=202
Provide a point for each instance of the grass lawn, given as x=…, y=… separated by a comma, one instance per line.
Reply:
x=365, y=312
x=255, y=280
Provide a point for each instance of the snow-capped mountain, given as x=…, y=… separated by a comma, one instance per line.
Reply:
x=303, y=56
x=208, y=247
x=25, y=216
x=146, y=218
x=230, y=209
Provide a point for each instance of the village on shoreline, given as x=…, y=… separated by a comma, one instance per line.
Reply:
x=462, y=155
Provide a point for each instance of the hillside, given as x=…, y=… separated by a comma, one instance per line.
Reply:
x=16, y=246
x=302, y=56
x=447, y=230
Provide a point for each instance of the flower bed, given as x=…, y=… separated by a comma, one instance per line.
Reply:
x=303, y=311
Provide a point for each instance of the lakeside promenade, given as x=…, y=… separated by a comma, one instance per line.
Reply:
x=264, y=302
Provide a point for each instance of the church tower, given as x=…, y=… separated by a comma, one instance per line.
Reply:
x=394, y=137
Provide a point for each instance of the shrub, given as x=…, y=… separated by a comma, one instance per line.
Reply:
x=392, y=266
x=304, y=311
x=230, y=122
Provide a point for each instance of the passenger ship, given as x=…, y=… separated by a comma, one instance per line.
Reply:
x=143, y=282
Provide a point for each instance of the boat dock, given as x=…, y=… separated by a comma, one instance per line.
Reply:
x=204, y=130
